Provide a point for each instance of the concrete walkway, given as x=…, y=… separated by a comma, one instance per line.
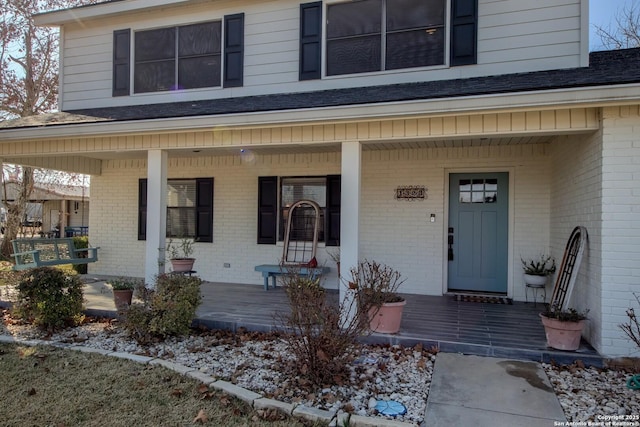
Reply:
x=486, y=391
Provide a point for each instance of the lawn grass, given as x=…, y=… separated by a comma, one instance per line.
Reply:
x=47, y=386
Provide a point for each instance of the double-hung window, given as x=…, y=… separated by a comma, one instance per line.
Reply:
x=181, y=208
x=375, y=35
x=179, y=57
x=293, y=190
x=184, y=57
x=189, y=209
x=277, y=195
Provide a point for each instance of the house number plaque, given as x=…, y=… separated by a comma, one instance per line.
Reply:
x=411, y=192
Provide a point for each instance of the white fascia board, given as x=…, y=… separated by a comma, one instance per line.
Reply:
x=603, y=96
x=77, y=14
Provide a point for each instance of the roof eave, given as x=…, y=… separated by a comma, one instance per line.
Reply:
x=595, y=96
x=100, y=10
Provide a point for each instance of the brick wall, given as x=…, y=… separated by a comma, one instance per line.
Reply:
x=394, y=232
x=595, y=185
x=620, y=224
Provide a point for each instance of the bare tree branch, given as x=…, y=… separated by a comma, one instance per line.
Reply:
x=624, y=33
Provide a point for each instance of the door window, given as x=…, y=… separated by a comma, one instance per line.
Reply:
x=478, y=190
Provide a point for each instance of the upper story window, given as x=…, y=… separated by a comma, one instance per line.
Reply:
x=202, y=55
x=184, y=57
x=376, y=35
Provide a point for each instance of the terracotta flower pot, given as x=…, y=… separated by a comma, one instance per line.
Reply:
x=122, y=298
x=562, y=335
x=181, y=265
x=387, y=318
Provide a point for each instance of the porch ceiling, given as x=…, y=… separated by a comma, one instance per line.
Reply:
x=314, y=148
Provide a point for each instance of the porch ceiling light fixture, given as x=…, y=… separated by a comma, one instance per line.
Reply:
x=411, y=192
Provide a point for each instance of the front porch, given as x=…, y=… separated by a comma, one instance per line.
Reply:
x=484, y=329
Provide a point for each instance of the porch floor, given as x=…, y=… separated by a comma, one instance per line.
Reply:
x=484, y=329
x=479, y=328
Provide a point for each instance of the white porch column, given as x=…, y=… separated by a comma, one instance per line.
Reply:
x=156, y=214
x=349, y=216
x=64, y=217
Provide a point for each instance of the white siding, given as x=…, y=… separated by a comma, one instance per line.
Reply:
x=513, y=36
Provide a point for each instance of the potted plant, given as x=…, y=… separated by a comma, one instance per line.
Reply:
x=536, y=271
x=180, y=255
x=563, y=328
x=376, y=286
x=123, y=288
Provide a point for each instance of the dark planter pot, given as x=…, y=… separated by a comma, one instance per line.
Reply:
x=122, y=298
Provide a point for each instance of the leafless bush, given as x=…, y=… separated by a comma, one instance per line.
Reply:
x=632, y=327
x=323, y=332
x=319, y=338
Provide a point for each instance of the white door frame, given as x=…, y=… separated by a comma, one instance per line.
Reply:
x=445, y=259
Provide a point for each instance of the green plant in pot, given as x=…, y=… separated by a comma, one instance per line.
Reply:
x=563, y=328
x=180, y=254
x=376, y=287
x=123, y=288
x=537, y=270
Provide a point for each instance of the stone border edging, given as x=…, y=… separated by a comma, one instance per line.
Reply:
x=255, y=400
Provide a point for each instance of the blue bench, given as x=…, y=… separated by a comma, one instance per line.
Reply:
x=30, y=253
x=273, y=270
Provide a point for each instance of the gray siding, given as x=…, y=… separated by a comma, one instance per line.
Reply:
x=513, y=36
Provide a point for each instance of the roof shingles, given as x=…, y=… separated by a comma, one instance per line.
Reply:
x=605, y=68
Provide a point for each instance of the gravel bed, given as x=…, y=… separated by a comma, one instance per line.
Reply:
x=259, y=362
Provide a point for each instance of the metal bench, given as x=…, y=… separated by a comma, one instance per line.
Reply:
x=273, y=270
x=30, y=253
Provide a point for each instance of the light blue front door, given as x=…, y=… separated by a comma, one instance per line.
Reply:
x=478, y=232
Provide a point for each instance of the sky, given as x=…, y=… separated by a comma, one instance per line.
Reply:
x=602, y=13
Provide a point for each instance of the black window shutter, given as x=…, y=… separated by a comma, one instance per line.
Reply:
x=121, y=57
x=267, y=209
x=233, y=50
x=142, y=209
x=310, y=40
x=464, y=32
x=332, y=214
x=204, y=209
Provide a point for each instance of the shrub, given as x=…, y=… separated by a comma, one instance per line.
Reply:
x=81, y=242
x=319, y=338
x=632, y=327
x=375, y=284
x=49, y=298
x=168, y=310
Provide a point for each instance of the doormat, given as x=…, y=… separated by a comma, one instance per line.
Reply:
x=484, y=298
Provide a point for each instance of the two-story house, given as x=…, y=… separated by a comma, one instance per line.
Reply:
x=208, y=118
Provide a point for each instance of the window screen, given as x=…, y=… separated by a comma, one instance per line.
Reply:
x=178, y=57
x=374, y=35
x=306, y=188
x=181, y=208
